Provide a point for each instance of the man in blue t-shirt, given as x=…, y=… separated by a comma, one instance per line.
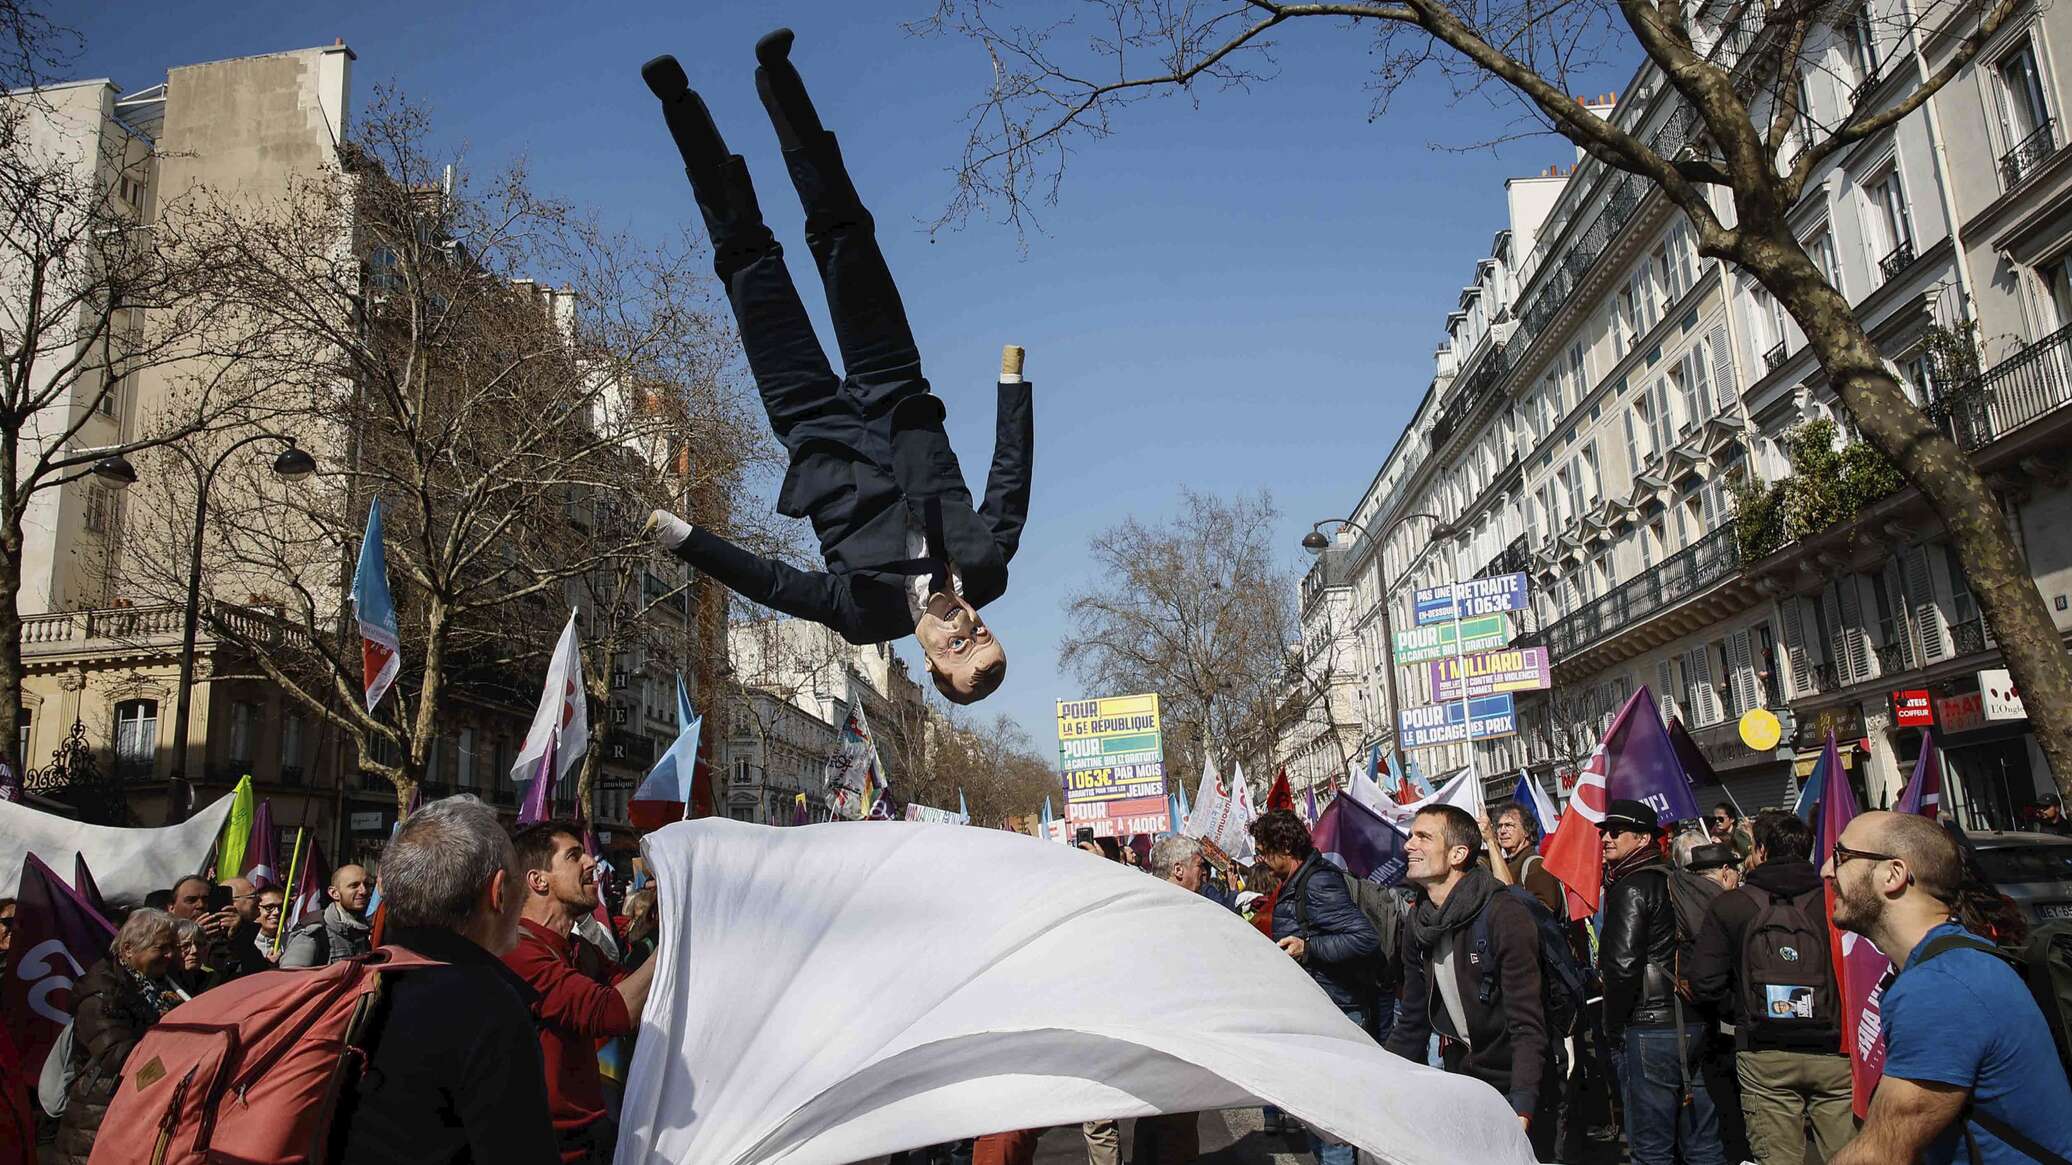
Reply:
x=1967, y=1053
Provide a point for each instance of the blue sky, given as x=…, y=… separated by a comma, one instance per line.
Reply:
x=1237, y=294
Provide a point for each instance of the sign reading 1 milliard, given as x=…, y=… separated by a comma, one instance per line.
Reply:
x=1110, y=749
x=1419, y=644
x=1512, y=669
x=1430, y=724
x=1478, y=596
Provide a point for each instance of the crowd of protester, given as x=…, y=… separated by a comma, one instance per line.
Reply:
x=1696, y=1017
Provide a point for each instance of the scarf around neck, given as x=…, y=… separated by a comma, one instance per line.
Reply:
x=1638, y=859
x=1429, y=922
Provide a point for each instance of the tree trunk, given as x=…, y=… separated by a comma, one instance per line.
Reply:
x=12, y=671
x=1999, y=574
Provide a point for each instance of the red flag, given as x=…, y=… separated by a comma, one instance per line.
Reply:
x=1634, y=760
x=1280, y=796
x=57, y=936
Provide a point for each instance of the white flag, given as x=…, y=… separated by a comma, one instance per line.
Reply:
x=562, y=702
x=1366, y=792
x=1222, y=813
x=1460, y=790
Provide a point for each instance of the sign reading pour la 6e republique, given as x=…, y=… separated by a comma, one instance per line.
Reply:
x=1110, y=749
x=1477, y=596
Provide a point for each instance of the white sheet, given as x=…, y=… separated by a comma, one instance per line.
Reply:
x=127, y=864
x=831, y=993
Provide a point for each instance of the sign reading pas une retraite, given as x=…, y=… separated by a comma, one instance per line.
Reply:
x=1477, y=596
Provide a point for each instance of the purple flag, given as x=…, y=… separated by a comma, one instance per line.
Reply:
x=1355, y=839
x=539, y=796
x=1695, y=766
x=1641, y=762
x=262, y=861
x=1924, y=789
x=83, y=881
x=1309, y=797
x=57, y=936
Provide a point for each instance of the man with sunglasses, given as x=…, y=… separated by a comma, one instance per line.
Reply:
x=1971, y=1072
x=1728, y=828
x=1656, y=1035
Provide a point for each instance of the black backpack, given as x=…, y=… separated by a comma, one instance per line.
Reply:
x=1563, y=982
x=1787, y=978
x=2044, y=963
x=1384, y=911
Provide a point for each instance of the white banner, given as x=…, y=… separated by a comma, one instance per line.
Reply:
x=1223, y=814
x=1035, y=1006
x=563, y=702
x=127, y=864
x=933, y=815
x=1460, y=790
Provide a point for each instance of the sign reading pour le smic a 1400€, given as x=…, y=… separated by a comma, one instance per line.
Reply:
x=1110, y=748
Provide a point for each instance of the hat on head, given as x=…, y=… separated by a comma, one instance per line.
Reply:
x=1626, y=813
x=1712, y=857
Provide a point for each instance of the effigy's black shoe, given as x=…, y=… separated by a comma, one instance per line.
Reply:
x=697, y=137
x=783, y=92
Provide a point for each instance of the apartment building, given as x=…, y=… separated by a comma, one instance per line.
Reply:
x=103, y=645
x=1628, y=392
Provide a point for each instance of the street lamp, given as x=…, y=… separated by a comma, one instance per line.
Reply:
x=293, y=464
x=1316, y=543
x=115, y=472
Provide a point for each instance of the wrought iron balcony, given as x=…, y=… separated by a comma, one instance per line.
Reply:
x=1892, y=659
x=2022, y=161
x=1683, y=574
x=1967, y=637
x=2031, y=383
x=1901, y=258
x=1774, y=358
x=1820, y=677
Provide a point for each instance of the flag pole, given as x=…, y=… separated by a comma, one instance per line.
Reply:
x=294, y=890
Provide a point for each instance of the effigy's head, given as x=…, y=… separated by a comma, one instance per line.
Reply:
x=965, y=658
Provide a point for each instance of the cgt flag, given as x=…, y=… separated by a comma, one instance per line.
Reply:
x=381, y=636
x=1634, y=760
x=57, y=936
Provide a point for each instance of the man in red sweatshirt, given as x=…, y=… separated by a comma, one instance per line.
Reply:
x=579, y=1004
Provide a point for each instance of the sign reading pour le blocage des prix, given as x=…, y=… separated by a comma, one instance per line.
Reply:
x=1110, y=749
x=1419, y=644
x=1430, y=724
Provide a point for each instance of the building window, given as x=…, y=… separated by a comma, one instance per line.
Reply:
x=291, y=750
x=2023, y=110
x=100, y=509
x=110, y=404
x=136, y=738
x=1963, y=606
x=1919, y=380
x=383, y=751
x=1821, y=249
x=465, y=763
x=244, y=728
x=1694, y=387
x=1890, y=213
x=21, y=745
x=1860, y=42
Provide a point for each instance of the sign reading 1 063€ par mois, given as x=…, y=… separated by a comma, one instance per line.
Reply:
x=1110, y=748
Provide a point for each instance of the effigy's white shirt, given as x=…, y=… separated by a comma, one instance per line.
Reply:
x=832, y=993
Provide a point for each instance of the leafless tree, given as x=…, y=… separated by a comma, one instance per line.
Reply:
x=1196, y=608
x=1737, y=157
x=515, y=434
x=993, y=764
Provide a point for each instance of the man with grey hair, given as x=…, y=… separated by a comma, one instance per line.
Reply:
x=1179, y=860
x=453, y=1069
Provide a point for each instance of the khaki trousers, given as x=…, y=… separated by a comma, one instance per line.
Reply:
x=1782, y=1091
x=1103, y=1142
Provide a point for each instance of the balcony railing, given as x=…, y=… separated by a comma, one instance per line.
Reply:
x=1892, y=659
x=1690, y=570
x=1774, y=358
x=2025, y=386
x=1901, y=258
x=2022, y=161
x=1967, y=637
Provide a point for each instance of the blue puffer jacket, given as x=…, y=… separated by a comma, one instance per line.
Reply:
x=1342, y=946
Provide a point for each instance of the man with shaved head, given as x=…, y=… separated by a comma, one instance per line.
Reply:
x=344, y=929
x=1970, y=1067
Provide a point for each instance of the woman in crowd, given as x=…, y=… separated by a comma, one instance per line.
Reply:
x=112, y=1005
x=188, y=972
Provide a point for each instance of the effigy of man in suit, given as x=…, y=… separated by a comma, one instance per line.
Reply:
x=906, y=550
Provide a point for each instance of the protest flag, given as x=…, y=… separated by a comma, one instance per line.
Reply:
x=798, y=810
x=664, y=794
x=1046, y=819
x=381, y=636
x=1309, y=794
x=1280, y=796
x=237, y=831
x=1923, y=793
x=83, y=881
x=1534, y=800
x=262, y=861
x=57, y=936
x=1634, y=760
x=1354, y=838
x=963, y=807
x=1860, y=967
x=539, y=795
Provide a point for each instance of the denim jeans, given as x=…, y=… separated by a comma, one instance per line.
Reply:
x=1657, y=1123
x=1328, y=1152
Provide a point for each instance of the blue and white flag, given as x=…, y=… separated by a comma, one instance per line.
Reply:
x=381, y=636
x=1535, y=801
x=664, y=794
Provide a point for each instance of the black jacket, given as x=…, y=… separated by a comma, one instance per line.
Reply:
x=1636, y=952
x=1716, y=957
x=862, y=509
x=1342, y=948
x=109, y=1015
x=453, y=1072
x=1507, y=1042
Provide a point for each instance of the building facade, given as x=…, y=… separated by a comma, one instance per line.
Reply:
x=1612, y=413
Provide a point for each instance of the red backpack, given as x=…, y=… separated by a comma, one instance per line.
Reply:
x=249, y=1072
